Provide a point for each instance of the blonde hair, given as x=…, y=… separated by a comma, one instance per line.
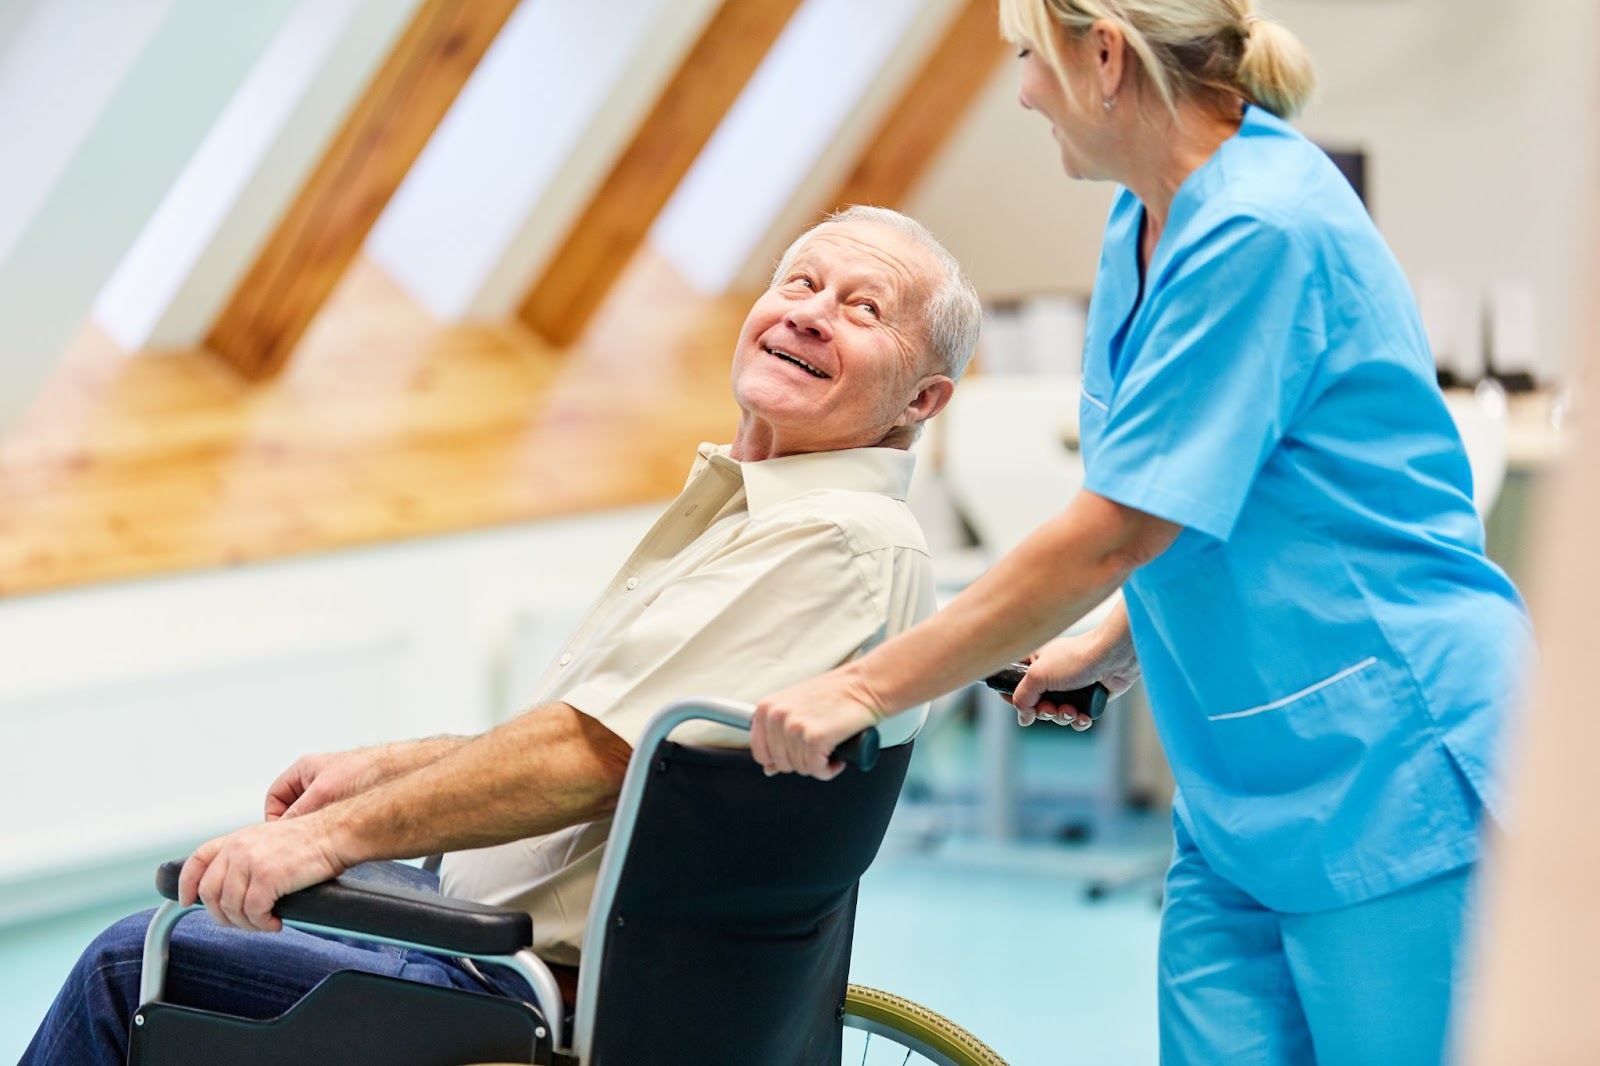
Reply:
x=1188, y=49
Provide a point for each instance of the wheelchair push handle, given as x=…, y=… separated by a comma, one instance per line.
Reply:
x=1090, y=701
x=860, y=751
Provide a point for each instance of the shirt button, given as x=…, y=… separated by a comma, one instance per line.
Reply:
x=566, y=657
x=633, y=583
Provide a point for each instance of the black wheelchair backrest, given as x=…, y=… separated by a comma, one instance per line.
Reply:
x=728, y=938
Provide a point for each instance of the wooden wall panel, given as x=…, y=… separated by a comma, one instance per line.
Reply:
x=325, y=227
x=611, y=228
x=386, y=426
x=935, y=100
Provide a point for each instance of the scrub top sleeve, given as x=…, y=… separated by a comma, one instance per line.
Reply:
x=1216, y=367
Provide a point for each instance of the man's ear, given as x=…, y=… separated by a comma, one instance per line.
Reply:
x=933, y=392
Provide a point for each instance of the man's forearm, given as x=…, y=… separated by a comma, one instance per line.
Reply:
x=549, y=768
x=404, y=757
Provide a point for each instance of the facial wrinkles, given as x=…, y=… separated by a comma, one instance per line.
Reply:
x=890, y=272
x=876, y=363
x=884, y=279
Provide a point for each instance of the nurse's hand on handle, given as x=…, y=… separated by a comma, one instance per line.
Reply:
x=794, y=726
x=1104, y=654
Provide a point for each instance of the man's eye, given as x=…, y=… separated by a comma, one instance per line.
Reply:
x=801, y=279
x=870, y=308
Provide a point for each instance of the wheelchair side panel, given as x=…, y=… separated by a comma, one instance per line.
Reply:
x=348, y=1019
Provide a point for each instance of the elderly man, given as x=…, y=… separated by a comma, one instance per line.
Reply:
x=789, y=552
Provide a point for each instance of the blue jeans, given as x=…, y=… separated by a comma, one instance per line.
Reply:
x=250, y=975
x=1371, y=984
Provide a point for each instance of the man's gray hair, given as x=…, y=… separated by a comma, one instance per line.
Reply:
x=953, y=314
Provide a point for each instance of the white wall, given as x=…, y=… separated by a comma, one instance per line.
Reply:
x=140, y=718
x=61, y=64
x=1480, y=122
x=997, y=198
x=823, y=169
x=14, y=15
x=188, y=259
x=111, y=176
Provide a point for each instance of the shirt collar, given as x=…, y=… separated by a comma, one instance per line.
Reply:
x=768, y=482
x=714, y=454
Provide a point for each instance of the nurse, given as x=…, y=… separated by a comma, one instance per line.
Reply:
x=1274, y=483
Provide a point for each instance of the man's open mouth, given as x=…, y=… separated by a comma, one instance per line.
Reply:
x=797, y=361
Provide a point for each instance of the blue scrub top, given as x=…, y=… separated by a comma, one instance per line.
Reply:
x=1329, y=652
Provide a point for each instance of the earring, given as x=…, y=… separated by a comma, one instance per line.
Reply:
x=1109, y=102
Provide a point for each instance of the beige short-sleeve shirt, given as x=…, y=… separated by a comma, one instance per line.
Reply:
x=758, y=576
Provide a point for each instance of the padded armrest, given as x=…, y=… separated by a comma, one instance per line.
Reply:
x=452, y=926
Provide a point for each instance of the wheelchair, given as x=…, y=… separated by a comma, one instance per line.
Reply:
x=719, y=933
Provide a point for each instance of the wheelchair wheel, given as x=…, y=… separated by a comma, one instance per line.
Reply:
x=885, y=1028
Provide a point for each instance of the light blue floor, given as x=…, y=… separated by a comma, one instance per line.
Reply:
x=1011, y=952
x=33, y=960
x=998, y=937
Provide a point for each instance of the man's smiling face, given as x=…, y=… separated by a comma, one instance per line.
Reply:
x=834, y=354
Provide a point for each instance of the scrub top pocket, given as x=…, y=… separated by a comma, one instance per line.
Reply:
x=1284, y=696
x=1309, y=737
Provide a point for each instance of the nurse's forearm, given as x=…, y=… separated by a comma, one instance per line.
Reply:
x=1114, y=629
x=1049, y=581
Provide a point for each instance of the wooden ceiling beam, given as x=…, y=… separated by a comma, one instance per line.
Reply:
x=323, y=230
x=927, y=111
x=619, y=215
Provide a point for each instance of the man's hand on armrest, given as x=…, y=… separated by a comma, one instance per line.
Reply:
x=240, y=877
x=376, y=907
x=547, y=769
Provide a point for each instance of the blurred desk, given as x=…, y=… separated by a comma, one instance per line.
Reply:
x=1535, y=432
x=1538, y=435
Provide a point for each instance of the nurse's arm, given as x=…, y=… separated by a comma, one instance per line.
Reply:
x=1049, y=581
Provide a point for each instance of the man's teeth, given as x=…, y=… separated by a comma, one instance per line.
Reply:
x=797, y=361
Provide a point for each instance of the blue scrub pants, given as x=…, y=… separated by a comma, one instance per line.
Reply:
x=1365, y=985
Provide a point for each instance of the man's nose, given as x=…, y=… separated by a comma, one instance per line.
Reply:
x=812, y=316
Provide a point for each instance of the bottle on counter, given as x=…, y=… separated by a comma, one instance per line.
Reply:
x=1446, y=322
x=1511, y=335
